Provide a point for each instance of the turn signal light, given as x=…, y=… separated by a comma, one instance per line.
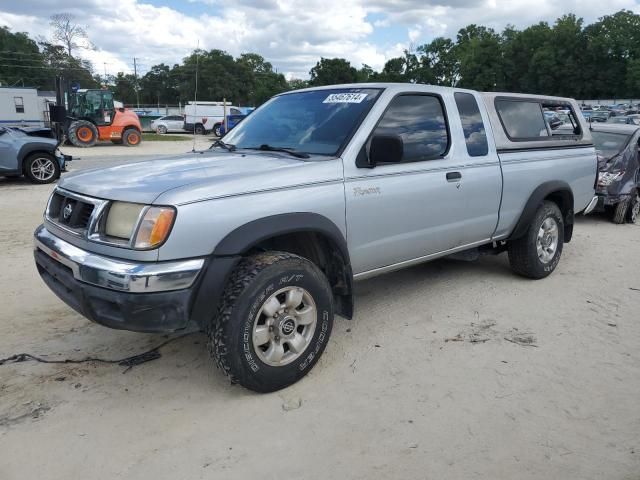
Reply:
x=155, y=227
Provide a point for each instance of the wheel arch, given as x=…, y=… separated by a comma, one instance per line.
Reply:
x=31, y=149
x=556, y=191
x=310, y=235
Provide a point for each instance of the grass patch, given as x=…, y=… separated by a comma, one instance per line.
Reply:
x=154, y=137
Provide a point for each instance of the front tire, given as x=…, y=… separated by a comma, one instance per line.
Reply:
x=274, y=321
x=41, y=168
x=536, y=254
x=131, y=137
x=161, y=130
x=217, y=130
x=83, y=133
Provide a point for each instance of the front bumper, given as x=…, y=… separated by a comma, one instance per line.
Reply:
x=146, y=297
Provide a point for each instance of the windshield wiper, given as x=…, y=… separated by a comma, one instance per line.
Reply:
x=291, y=151
x=226, y=146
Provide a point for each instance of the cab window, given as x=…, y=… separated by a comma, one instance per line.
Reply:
x=420, y=121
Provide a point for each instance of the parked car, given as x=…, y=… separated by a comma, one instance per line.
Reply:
x=625, y=120
x=168, y=123
x=35, y=157
x=618, y=185
x=232, y=121
x=600, y=116
x=248, y=240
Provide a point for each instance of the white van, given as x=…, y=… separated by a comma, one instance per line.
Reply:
x=205, y=117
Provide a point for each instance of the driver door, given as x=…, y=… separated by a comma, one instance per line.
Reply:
x=401, y=211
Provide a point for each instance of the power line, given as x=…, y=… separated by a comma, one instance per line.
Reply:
x=46, y=68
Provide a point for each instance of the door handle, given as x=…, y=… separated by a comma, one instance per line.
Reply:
x=453, y=176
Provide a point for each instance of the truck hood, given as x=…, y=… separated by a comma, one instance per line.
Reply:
x=201, y=175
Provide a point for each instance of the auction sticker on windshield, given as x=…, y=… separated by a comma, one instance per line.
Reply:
x=345, y=98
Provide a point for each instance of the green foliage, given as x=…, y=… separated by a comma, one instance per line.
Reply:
x=330, y=71
x=30, y=64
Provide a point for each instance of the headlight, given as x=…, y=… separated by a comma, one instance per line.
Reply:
x=140, y=226
x=122, y=219
x=154, y=227
x=607, y=178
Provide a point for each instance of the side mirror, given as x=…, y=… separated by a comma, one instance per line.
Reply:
x=385, y=149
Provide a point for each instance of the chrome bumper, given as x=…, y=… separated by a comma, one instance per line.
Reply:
x=591, y=206
x=115, y=274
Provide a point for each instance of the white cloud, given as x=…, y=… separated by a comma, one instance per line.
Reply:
x=292, y=34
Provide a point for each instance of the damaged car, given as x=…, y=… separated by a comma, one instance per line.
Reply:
x=618, y=184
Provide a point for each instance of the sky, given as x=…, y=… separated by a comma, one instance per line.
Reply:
x=291, y=34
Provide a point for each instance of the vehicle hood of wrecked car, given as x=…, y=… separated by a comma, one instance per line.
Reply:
x=201, y=175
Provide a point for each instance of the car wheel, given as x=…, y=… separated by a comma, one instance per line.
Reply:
x=42, y=168
x=536, y=254
x=131, y=137
x=161, y=130
x=217, y=130
x=199, y=129
x=83, y=133
x=633, y=210
x=620, y=211
x=274, y=321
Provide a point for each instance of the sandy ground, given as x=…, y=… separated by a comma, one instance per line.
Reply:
x=105, y=150
x=424, y=383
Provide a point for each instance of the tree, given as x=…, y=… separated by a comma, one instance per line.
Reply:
x=330, y=71
x=297, y=84
x=439, y=59
x=265, y=82
x=68, y=32
x=22, y=62
x=479, y=54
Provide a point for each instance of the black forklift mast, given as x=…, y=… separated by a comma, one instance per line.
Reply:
x=58, y=112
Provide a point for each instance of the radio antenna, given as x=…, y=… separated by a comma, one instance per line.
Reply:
x=195, y=101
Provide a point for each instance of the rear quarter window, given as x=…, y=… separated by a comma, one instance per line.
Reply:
x=472, y=125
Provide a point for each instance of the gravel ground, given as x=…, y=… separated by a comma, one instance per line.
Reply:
x=449, y=370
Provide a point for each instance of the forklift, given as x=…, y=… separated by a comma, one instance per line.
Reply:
x=84, y=116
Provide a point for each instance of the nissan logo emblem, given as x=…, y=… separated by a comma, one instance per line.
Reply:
x=68, y=210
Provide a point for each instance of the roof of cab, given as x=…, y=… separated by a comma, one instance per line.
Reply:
x=502, y=140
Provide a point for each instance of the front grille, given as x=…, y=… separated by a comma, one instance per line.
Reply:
x=70, y=212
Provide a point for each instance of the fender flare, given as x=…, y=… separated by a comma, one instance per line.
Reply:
x=230, y=249
x=250, y=234
x=556, y=188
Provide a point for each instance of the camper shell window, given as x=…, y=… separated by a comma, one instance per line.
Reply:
x=526, y=120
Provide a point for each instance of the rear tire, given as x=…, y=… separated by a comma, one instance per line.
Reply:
x=83, y=133
x=131, y=137
x=41, y=168
x=633, y=211
x=274, y=321
x=217, y=130
x=199, y=129
x=620, y=211
x=536, y=254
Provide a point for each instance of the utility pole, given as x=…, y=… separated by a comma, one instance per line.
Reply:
x=105, y=72
x=135, y=74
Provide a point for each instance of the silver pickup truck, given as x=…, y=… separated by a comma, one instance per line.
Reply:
x=258, y=240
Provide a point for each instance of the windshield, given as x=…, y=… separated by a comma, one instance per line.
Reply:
x=609, y=144
x=316, y=122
